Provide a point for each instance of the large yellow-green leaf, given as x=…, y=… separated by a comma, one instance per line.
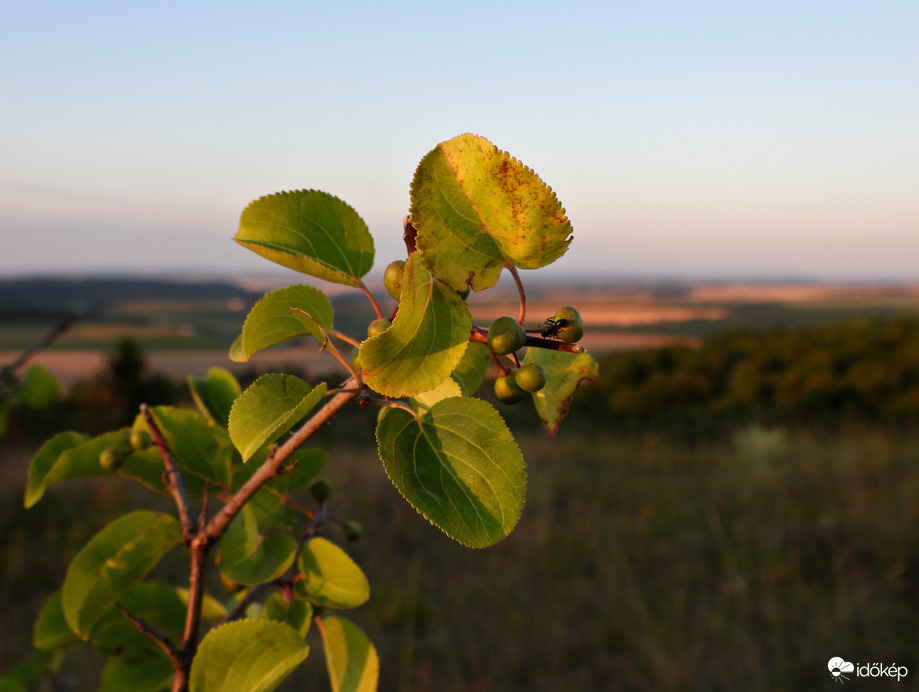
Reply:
x=112, y=562
x=268, y=409
x=458, y=465
x=272, y=320
x=350, y=659
x=565, y=372
x=311, y=232
x=477, y=209
x=252, y=655
x=425, y=342
x=330, y=577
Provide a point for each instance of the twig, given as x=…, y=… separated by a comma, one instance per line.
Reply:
x=373, y=301
x=146, y=629
x=512, y=268
x=219, y=522
x=176, y=484
x=7, y=370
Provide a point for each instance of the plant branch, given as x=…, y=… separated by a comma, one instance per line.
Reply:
x=373, y=301
x=176, y=484
x=7, y=370
x=149, y=631
x=512, y=268
x=219, y=522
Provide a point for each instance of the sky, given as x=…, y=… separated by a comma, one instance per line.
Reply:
x=704, y=140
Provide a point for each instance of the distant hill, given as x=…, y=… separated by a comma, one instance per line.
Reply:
x=86, y=296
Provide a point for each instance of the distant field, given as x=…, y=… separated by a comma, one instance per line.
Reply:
x=187, y=328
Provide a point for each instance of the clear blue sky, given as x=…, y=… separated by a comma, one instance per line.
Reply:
x=704, y=139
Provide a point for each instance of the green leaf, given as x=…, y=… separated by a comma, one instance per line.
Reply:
x=445, y=390
x=272, y=319
x=51, y=630
x=246, y=656
x=311, y=232
x=201, y=450
x=112, y=562
x=39, y=387
x=10, y=684
x=214, y=394
x=426, y=341
x=331, y=578
x=49, y=465
x=296, y=613
x=477, y=209
x=565, y=372
x=350, y=658
x=470, y=372
x=246, y=557
x=459, y=466
x=138, y=670
x=269, y=408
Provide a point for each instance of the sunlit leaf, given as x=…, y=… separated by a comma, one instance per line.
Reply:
x=246, y=656
x=113, y=561
x=471, y=369
x=565, y=373
x=477, y=209
x=425, y=342
x=272, y=319
x=311, y=232
x=330, y=576
x=458, y=465
x=351, y=660
x=269, y=408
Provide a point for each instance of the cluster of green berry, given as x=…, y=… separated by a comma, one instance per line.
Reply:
x=506, y=336
x=113, y=458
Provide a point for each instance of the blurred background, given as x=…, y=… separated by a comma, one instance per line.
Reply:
x=734, y=502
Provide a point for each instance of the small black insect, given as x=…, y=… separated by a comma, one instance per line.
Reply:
x=552, y=327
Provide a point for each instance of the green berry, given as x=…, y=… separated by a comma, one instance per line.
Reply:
x=507, y=391
x=378, y=326
x=573, y=329
x=320, y=489
x=392, y=278
x=356, y=359
x=530, y=377
x=505, y=336
x=353, y=530
x=111, y=459
x=140, y=439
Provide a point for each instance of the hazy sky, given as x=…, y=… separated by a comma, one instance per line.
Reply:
x=703, y=139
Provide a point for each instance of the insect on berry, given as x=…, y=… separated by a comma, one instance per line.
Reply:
x=552, y=327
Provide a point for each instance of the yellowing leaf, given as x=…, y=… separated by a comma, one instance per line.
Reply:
x=477, y=209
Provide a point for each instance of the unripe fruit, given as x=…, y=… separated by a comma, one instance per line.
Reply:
x=140, y=440
x=378, y=326
x=111, y=459
x=506, y=390
x=530, y=377
x=356, y=359
x=320, y=489
x=573, y=329
x=505, y=336
x=392, y=278
x=353, y=530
